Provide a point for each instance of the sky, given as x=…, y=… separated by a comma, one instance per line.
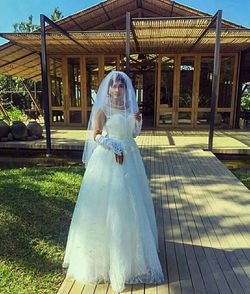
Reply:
x=15, y=11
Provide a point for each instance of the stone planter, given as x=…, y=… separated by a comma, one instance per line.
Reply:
x=19, y=130
x=35, y=130
x=4, y=129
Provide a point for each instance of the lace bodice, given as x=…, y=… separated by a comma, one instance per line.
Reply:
x=119, y=126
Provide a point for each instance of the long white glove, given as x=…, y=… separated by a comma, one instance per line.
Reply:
x=109, y=143
x=137, y=129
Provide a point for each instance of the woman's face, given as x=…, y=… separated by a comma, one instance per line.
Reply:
x=117, y=90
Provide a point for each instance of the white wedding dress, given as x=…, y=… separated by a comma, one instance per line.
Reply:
x=113, y=234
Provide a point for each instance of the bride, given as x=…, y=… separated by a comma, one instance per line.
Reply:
x=113, y=234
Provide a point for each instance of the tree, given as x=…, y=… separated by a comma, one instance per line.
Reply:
x=25, y=27
x=19, y=96
x=56, y=14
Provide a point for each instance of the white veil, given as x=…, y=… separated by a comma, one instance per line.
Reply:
x=105, y=105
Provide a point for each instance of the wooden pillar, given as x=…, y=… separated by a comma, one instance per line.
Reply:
x=45, y=92
x=128, y=25
x=239, y=92
x=215, y=78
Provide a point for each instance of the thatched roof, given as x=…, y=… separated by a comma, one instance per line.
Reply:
x=101, y=29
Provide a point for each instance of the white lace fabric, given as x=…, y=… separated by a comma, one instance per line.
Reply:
x=110, y=144
x=113, y=235
x=137, y=129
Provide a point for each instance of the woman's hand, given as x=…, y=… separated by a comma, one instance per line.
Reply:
x=119, y=158
x=138, y=116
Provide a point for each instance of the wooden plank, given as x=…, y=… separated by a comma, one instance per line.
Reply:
x=77, y=288
x=221, y=255
x=192, y=271
x=213, y=236
x=157, y=188
x=164, y=288
x=239, y=259
x=66, y=286
x=102, y=288
x=197, y=229
x=89, y=289
x=174, y=251
x=138, y=289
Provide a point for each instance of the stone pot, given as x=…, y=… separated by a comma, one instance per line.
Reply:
x=4, y=129
x=34, y=129
x=19, y=130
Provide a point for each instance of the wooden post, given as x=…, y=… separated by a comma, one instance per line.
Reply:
x=45, y=92
x=128, y=25
x=215, y=78
x=239, y=92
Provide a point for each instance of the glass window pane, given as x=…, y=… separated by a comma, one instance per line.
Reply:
x=74, y=82
x=186, y=81
x=56, y=84
x=203, y=118
x=226, y=81
x=165, y=118
x=184, y=118
x=75, y=117
x=57, y=116
x=222, y=119
x=92, y=79
x=206, y=77
x=167, y=79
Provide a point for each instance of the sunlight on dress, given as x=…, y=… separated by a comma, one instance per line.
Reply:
x=113, y=234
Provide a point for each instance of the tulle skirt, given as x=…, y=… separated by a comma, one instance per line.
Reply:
x=113, y=234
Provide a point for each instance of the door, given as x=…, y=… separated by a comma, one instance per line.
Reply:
x=185, y=110
x=142, y=73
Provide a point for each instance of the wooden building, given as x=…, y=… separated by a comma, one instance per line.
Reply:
x=171, y=62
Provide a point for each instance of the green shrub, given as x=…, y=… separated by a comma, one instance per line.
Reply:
x=14, y=114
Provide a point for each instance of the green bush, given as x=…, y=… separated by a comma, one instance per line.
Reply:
x=14, y=114
x=245, y=99
x=245, y=103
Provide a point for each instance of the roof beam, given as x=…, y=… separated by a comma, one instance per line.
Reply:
x=35, y=76
x=65, y=33
x=172, y=9
x=106, y=13
x=77, y=24
x=17, y=44
x=17, y=59
x=213, y=20
x=3, y=48
x=172, y=18
x=139, y=3
x=134, y=36
x=150, y=12
x=113, y=20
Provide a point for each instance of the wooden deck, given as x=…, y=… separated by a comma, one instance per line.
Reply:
x=231, y=141
x=203, y=221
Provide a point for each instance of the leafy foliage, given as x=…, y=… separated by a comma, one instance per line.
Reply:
x=28, y=26
x=12, y=88
x=25, y=27
x=245, y=99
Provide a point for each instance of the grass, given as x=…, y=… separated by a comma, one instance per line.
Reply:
x=36, y=206
x=243, y=175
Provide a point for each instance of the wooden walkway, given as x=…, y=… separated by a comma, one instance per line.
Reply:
x=231, y=141
x=203, y=219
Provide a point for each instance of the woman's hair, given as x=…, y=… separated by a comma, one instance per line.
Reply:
x=117, y=77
